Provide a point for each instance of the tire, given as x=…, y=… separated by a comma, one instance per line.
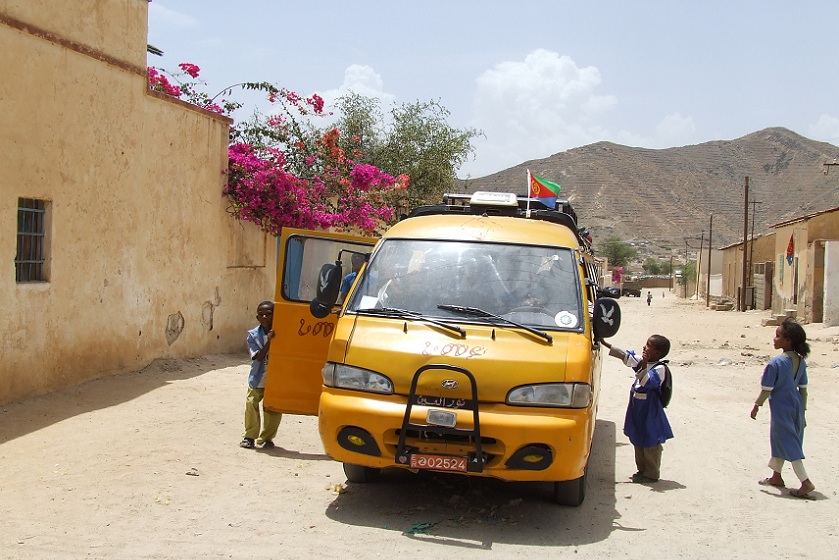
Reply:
x=570, y=492
x=358, y=473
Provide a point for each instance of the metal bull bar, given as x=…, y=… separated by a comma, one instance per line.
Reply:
x=476, y=463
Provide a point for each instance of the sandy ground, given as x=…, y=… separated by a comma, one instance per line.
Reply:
x=146, y=465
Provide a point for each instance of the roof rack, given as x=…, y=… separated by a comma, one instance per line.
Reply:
x=504, y=204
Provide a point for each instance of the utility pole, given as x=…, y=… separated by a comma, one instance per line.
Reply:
x=752, y=246
x=699, y=263
x=671, y=273
x=685, y=273
x=708, y=283
x=742, y=300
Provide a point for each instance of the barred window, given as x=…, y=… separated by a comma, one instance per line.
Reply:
x=30, y=261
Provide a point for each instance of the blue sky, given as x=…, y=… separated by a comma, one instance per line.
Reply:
x=537, y=77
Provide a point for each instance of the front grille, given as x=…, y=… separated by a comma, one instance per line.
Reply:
x=447, y=438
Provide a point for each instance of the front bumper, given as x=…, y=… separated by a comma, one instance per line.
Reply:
x=363, y=429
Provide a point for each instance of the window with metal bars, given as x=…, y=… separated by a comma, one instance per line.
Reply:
x=30, y=261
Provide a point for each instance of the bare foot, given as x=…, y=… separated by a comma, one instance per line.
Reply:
x=806, y=488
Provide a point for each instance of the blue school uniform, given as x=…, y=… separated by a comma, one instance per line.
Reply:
x=646, y=423
x=256, y=341
x=786, y=427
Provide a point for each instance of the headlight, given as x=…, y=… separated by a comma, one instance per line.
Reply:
x=348, y=377
x=565, y=395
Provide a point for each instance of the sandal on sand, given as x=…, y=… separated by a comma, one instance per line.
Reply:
x=768, y=482
x=796, y=492
x=247, y=443
x=267, y=444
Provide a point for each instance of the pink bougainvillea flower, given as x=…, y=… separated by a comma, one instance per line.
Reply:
x=190, y=69
x=276, y=120
x=316, y=101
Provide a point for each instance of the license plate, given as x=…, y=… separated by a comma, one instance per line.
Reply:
x=441, y=418
x=438, y=462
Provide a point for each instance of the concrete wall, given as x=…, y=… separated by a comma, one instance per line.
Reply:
x=760, y=252
x=831, y=284
x=804, y=284
x=143, y=260
x=715, y=277
x=790, y=274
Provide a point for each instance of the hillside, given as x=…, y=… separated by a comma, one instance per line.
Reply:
x=662, y=197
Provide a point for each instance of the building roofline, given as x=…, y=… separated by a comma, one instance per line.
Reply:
x=803, y=218
x=735, y=244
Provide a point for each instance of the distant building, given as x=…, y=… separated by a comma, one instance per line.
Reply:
x=794, y=268
x=759, y=254
x=806, y=267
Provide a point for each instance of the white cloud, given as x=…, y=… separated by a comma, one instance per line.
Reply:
x=534, y=108
x=826, y=129
x=674, y=130
x=362, y=80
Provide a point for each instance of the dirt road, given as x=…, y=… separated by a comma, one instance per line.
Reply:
x=146, y=465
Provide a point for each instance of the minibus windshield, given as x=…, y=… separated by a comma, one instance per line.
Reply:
x=534, y=285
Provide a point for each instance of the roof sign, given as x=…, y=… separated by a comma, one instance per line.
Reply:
x=485, y=198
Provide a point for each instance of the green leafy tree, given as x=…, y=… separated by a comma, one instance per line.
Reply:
x=617, y=251
x=652, y=266
x=416, y=140
x=688, y=273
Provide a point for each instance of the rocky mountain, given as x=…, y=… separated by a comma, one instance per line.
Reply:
x=665, y=198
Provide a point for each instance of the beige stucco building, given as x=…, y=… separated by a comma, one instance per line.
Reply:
x=796, y=268
x=116, y=245
x=807, y=266
x=759, y=254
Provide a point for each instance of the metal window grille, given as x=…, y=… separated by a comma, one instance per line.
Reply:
x=29, y=261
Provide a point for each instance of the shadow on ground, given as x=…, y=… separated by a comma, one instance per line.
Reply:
x=30, y=415
x=471, y=512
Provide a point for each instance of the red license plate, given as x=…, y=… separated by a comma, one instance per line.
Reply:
x=438, y=462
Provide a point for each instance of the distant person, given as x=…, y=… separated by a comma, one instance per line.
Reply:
x=649, y=298
x=646, y=424
x=259, y=342
x=357, y=261
x=662, y=294
x=784, y=383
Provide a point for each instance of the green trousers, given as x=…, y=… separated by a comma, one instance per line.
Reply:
x=252, y=418
x=648, y=461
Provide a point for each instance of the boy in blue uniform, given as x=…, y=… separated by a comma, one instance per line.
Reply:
x=357, y=260
x=259, y=342
x=646, y=424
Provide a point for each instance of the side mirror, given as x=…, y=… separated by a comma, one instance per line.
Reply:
x=607, y=318
x=610, y=292
x=328, y=287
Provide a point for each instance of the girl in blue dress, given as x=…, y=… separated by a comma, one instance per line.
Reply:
x=784, y=383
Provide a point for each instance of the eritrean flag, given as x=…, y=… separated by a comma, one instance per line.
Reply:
x=543, y=190
x=790, y=251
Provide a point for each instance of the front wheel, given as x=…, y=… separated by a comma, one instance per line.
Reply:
x=570, y=492
x=358, y=473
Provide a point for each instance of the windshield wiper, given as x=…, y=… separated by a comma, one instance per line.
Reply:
x=412, y=316
x=475, y=312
